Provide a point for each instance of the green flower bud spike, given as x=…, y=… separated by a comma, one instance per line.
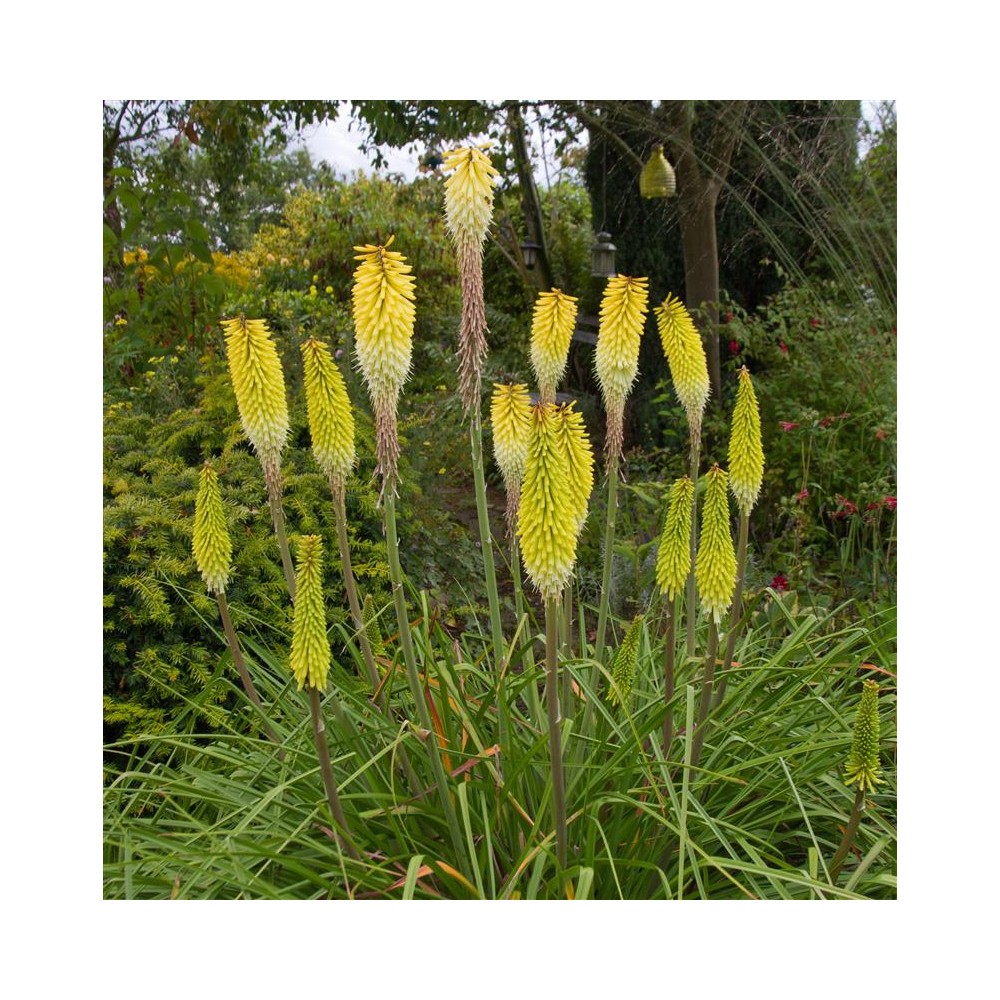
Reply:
x=510, y=416
x=552, y=325
x=715, y=566
x=372, y=630
x=746, y=455
x=624, y=663
x=863, y=766
x=310, y=656
x=673, y=560
x=213, y=550
x=331, y=421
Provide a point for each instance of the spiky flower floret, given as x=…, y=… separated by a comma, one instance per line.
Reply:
x=468, y=193
x=579, y=460
x=213, y=550
x=374, y=633
x=622, y=314
x=384, y=313
x=686, y=356
x=715, y=566
x=673, y=561
x=624, y=663
x=552, y=325
x=546, y=517
x=331, y=422
x=259, y=386
x=746, y=454
x=862, y=763
x=310, y=657
x=510, y=416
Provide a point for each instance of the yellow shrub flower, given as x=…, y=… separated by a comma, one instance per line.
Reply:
x=310, y=656
x=331, y=422
x=510, y=416
x=715, y=565
x=579, y=460
x=673, y=560
x=685, y=354
x=746, y=454
x=213, y=550
x=863, y=766
x=552, y=325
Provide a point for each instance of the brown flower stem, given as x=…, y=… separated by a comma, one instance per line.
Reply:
x=278, y=520
x=340, y=516
x=849, y=833
x=669, y=653
x=555, y=744
x=323, y=752
x=701, y=726
x=241, y=668
x=692, y=602
x=737, y=611
x=609, y=552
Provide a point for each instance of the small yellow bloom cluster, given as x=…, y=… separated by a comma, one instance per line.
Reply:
x=686, y=356
x=213, y=550
x=673, y=560
x=310, y=656
x=552, y=325
x=468, y=193
x=331, y=421
x=715, y=565
x=746, y=454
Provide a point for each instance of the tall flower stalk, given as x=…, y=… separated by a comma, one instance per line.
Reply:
x=746, y=474
x=685, y=356
x=552, y=323
x=622, y=314
x=384, y=314
x=468, y=201
x=310, y=665
x=259, y=385
x=331, y=427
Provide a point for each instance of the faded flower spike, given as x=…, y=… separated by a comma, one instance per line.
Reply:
x=310, y=658
x=622, y=314
x=213, y=550
x=624, y=663
x=746, y=455
x=715, y=566
x=673, y=561
x=384, y=314
x=546, y=517
x=686, y=356
x=259, y=385
x=331, y=422
x=579, y=460
x=468, y=202
x=862, y=762
x=552, y=325
x=510, y=415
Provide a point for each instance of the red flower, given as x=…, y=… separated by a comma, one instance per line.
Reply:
x=734, y=347
x=814, y=323
x=783, y=346
x=729, y=317
x=779, y=583
x=874, y=506
x=802, y=496
x=787, y=425
x=845, y=508
x=880, y=435
x=890, y=502
x=826, y=422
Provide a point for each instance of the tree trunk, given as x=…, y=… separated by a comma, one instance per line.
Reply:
x=531, y=204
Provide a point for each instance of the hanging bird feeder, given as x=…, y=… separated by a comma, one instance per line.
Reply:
x=602, y=257
x=657, y=179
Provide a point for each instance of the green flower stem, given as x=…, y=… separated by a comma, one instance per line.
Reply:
x=555, y=744
x=692, y=598
x=567, y=651
x=340, y=516
x=706, y=691
x=737, y=612
x=412, y=675
x=323, y=751
x=668, y=675
x=489, y=568
x=849, y=833
x=241, y=668
x=278, y=520
x=609, y=551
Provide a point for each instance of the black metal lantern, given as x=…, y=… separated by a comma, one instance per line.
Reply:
x=602, y=257
x=529, y=251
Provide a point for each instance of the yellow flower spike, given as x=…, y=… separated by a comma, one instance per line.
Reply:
x=468, y=203
x=863, y=766
x=685, y=354
x=510, y=416
x=673, y=561
x=579, y=460
x=259, y=385
x=213, y=550
x=715, y=565
x=331, y=422
x=384, y=314
x=546, y=514
x=746, y=454
x=622, y=314
x=624, y=663
x=310, y=657
x=552, y=325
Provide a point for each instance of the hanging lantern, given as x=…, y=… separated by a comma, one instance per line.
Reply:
x=657, y=179
x=529, y=253
x=602, y=257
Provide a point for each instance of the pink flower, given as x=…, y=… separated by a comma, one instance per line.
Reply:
x=844, y=509
x=729, y=317
x=802, y=496
x=814, y=323
x=779, y=583
x=734, y=347
x=826, y=422
x=880, y=434
x=783, y=346
x=787, y=425
x=889, y=502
